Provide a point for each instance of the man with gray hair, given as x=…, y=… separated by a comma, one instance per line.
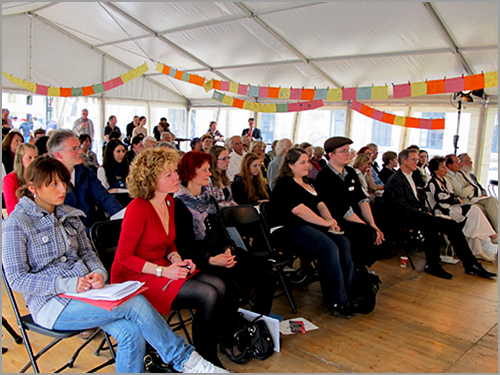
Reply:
x=86, y=190
x=236, y=144
x=282, y=148
x=84, y=125
x=149, y=142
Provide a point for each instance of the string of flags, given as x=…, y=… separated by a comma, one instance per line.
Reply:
x=78, y=91
x=388, y=118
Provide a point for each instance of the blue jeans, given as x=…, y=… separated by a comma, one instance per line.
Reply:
x=132, y=324
x=332, y=252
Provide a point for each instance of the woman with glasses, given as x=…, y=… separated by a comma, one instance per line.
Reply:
x=219, y=185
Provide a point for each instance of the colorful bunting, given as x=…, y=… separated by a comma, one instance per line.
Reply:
x=408, y=122
x=266, y=108
x=78, y=91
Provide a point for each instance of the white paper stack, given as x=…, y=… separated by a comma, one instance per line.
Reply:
x=110, y=292
x=285, y=325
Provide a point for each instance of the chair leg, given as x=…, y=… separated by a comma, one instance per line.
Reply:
x=183, y=326
x=287, y=290
x=18, y=339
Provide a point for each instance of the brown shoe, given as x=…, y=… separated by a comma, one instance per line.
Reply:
x=86, y=334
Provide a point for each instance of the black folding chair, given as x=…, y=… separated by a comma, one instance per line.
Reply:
x=250, y=225
x=26, y=323
x=104, y=236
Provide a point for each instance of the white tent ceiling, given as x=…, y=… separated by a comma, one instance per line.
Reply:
x=262, y=43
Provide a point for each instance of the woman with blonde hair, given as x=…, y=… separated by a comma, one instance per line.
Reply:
x=147, y=251
x=249, y=186
x=25, y=154
x=219, y=185
x=259, y=147
x=362, y=167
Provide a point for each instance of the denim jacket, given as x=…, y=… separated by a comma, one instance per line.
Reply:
x=44, y=254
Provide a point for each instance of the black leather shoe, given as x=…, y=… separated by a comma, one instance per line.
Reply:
x=343, y=311
x=437, y=271
x=477, y=269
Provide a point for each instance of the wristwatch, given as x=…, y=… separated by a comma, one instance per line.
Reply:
x=159, y=270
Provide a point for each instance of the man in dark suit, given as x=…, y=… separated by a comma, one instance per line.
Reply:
x=252, y=131
x=402, y=198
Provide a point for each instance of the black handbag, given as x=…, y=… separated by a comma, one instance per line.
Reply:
x=254, y=338
x=153, y=362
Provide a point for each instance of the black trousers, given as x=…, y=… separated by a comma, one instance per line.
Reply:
x=431, y=226
x=362, y=238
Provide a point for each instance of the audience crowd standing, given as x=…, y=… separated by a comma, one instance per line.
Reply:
x=327, y=199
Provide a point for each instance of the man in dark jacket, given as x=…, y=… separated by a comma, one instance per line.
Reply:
x=252, y=131
x=402, y=198
x=86, y=190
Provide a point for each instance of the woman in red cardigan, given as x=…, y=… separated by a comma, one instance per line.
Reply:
x=146, y=251
x=25, y=154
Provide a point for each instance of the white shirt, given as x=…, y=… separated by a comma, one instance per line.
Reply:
x=234, y=165
x=412, y=183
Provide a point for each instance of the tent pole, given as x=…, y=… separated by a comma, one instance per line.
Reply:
x=347, y=124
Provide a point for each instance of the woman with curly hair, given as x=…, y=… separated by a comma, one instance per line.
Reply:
x=249, y=186
x=202, y=237
x=115, y=168
x=147, y=252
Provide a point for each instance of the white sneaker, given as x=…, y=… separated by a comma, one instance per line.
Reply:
x=197, y=365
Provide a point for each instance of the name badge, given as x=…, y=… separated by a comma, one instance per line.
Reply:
x=351, y=188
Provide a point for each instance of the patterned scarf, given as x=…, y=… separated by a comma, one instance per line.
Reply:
x=200, y=207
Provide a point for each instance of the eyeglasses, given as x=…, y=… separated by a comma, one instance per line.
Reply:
x=224, y=159
x=73, y=149
x=342, y=152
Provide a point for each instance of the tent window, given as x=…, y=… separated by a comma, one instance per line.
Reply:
x=494, y=147
x=316, y=127
x=177, y=120
x=432, y=138
x=381, y=133
x=267, y=127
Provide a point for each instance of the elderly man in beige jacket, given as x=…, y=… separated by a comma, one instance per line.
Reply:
x=466, y=191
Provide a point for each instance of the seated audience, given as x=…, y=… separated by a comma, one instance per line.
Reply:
x=271, y=155
x=306, y=232
x=115, y=169
x=206, y=142
x=38, y=133
x=282, y=148
x=136, y=146
x=245, y=139
x=196, y=144
x=314, y=167
x=249, y=186
x=402, y=198
x=259, y=147
x=25, y=154
x=442, y=201
x=468, y=192
x=9, y=145
x=89, y=156
x=167, y=137
x=318, y=156
x=149, y=142
x=41, y=145
x=219, y=185
x=374, y=174
x=159, y=129
x=374, y=164
x=34, y=268
x=390, y=162
x=146, y=252
x=236, y=156
x=212, y=130
x=202, y=237
x=362, y=167
x=86, y=190
x=423, y=158
x=339, y=188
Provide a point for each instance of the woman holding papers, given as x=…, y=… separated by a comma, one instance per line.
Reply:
x=146, y=251
x=307, y=231
x=46, y=253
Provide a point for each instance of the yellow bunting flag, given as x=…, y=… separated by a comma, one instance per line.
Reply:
x=159, y=67
x=269, y=108
x=418, y=88
x=334, y=95
x=209, y=85
x=135, y=73
x=284, y=93
x=249, y=105
x=228, y=100
x=491, y=79
x=400, y=120
x=233, y=87
x=18, y=81
x=380, y=92
x=54, y=91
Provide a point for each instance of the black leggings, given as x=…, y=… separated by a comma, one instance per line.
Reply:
x=205, y=293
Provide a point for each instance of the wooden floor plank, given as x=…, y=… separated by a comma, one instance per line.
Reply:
x=420, y=324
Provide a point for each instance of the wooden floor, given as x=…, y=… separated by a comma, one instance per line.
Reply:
x=420, y=324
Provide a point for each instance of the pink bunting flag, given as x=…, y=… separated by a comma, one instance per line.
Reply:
x=296, y=94
x=111, y=84
x=425, y=123
x=243, y=89
x=224, y=86
x=377, y=115
x=263, y=92
x=42, y=90
x=402, y=91
x=454, y=84
x=356, y=106
x=349, y=93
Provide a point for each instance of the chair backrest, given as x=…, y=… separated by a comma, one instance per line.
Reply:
x=270, y=215
x=123, y=198
x=239, y=215
x=104, y=236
